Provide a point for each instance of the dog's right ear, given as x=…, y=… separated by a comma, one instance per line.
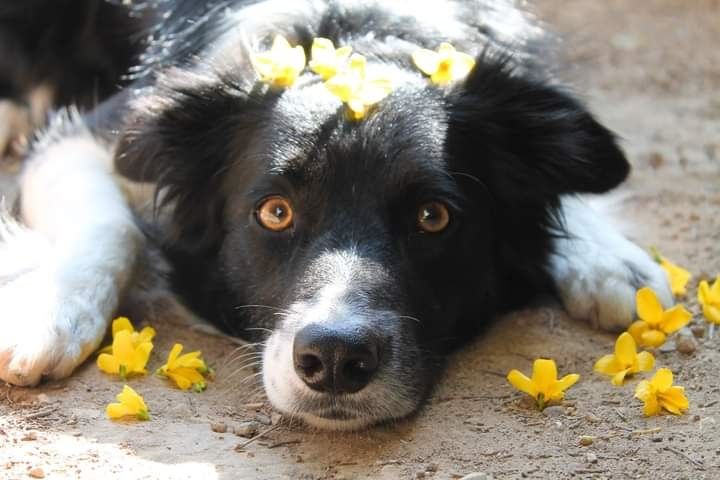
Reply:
x=180, y=136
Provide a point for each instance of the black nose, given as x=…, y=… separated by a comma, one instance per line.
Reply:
x=333, y=361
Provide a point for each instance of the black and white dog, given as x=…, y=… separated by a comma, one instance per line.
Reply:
x=358, y=252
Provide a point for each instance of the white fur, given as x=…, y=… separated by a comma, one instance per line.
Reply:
x=62, y=276
x=598, y=271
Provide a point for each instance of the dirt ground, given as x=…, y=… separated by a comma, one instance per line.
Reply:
x=651, y=70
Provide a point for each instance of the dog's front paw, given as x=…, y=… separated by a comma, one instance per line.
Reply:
x=44, y=330
x=597, y=271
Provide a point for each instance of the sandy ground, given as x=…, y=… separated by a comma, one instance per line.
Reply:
x=651, y=70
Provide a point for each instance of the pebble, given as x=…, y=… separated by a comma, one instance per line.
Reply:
x=686, y=342
x=591, y=458
x=592, y=418
x=264, y=419
x=275, y=418
x=586, y=440
x=433, y=467
x=477, y=476
x=698, y=331
x=29, y=436
x=218, y=427
x=37, y=472
x=667, y=347
x=247, y=429
x=554, y=411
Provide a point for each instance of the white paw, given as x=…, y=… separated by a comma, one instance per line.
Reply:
x=46, y=330
x=598, y=271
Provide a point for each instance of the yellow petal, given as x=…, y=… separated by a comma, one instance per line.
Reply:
x=704, y=292
x=131, y=399
x=674, y=400
x=142, y=355
x=653, y=338
x=426, y=61
x=117, y=410
x=712, y=313
x=462, y=65
x=190, y=360
x=662, y=380
x=174, y=354
x=375, y=90
x=123, y=349
x=715, y=291
x=108, y=363
x=636, y=329
x=646, y=361
x=191, y=374
x=544, y=375
x=649, y=307
x=644, y=390
x=146, y=334
x=567, y=381
x=280, y=43
x=625, y=350
x=619, y=377
x=607, y=365
x=182, y=382
x=652, y=406
x=522, y=383
x=677, y=276
x=675, y=318
x=106, y=349
x=122, y=324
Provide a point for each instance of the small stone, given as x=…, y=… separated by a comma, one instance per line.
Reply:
x=686, y=342
x=554, y=411
x=586, y=440
x=592, y=418
x=247, y=429
x=591, y=458
x=433, y=467
x=275, y=418
x=477, y=476
x=264, y=419
x=656, y=439
x=698, y=331
x=218, y=427
x=667, y=347
x=419, y=475
x=37, y=472
x=30, y=436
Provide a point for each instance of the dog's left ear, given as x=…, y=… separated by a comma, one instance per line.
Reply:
x=529, y=137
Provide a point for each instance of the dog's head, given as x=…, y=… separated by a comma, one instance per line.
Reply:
x=365, y=248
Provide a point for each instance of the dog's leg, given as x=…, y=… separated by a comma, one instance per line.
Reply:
x=63, y=271
x=598, y=271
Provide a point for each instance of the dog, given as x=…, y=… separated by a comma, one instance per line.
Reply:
x=358, y=253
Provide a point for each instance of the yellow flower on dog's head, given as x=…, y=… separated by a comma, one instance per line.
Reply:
x=325, y=60
x=281, y=65
x=125, y=359
x=444, y=66
x=625, y=361
x=544, y=385
x=185, y=370
x=655, y=323
x=659, y=393
x=130, y=404
x=358, y=88
x=709, y=298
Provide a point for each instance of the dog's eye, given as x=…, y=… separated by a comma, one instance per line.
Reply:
x=275, y=213
x=433, y=217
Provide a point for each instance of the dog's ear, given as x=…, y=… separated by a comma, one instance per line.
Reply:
x=529, y=138
x=181, y=135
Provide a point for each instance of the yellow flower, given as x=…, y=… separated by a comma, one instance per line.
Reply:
x=326, y=61
x=544, y=386
x=185, y=370
x=625, y=361
x=125, y=358
x=123, y=324
x=444, y=66
x=659, y=393
x=655, y=323
x=677, y=276
x=709, y=298
x=131, y=404
x=281, y=65
x=358, y=88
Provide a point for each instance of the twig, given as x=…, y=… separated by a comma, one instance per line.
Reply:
x=687, y=457
x=240, y=446
x=590, y=470
x=286, y=442
x=649, y=430
x=40, y=413
x=709, y=404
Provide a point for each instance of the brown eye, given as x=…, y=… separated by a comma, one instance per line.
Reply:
x=433, y=217
x=275, y=213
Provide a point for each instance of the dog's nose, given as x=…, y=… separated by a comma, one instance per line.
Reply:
x=333, y=361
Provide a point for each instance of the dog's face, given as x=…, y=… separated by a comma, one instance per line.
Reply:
x=367, y=248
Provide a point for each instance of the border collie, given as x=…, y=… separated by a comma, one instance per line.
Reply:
x=358, y=252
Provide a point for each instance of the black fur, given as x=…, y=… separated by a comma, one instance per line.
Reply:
x=498, y=149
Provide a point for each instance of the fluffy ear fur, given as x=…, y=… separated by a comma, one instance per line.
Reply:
x=182, y=135
x=531, y=138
